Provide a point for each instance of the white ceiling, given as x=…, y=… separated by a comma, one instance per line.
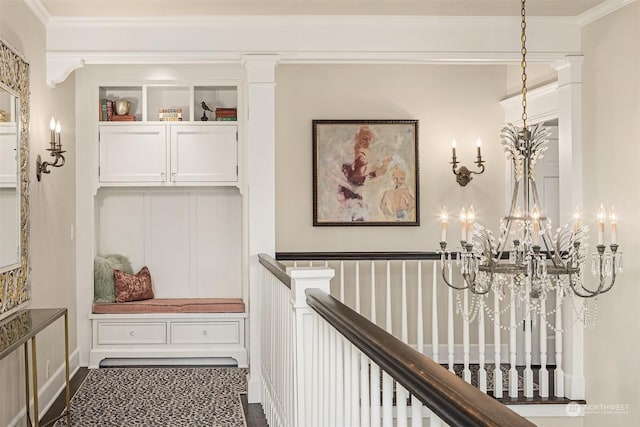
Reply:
x=139, y=8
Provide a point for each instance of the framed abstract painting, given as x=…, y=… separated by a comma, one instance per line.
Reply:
x=365, y=172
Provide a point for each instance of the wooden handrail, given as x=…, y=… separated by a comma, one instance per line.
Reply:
x=276, y=268
x=371, y=256
x=448, y=396
x=352, y=256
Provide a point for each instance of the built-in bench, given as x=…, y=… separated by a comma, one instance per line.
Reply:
x=162, y=328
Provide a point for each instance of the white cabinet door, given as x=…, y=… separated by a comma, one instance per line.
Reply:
x=204, y=153
x=133, y=153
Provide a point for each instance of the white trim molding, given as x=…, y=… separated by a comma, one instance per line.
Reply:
x=601, y=10
x=72, y=42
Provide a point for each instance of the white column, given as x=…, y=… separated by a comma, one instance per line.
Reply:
x=257, y=160
x=303, y=330
x=570, y=152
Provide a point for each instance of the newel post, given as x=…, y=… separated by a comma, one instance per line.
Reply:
x=303, y=278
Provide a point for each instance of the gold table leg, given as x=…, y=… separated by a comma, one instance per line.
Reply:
x=26, y=382
x=34, y=366
x=66, y=361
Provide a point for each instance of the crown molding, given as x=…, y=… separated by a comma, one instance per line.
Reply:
x=601, y=10
x=587, y=17
x=40, y=10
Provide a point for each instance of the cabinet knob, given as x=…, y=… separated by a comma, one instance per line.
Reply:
x=204, y=332
x=163, y=175
x=174, y=174
x=131, y=333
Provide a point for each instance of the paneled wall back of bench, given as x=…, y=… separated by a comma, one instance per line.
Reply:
x=190, y=239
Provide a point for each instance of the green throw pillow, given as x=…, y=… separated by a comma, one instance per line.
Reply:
x=103, y=279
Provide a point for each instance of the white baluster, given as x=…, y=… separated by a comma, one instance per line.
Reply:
x=435, y=342
x=357, y=284
x=364, y=390
x=387, y=400
x=342, y=282
x=401, y=393
x=543, y=374
x=416, y=405
x=558, y=374
x=482, y=372
x=373, y=292
x=497, y=372
x=332, y=377
x=375, y=369
x=450, y=324
x=375, y=395
x=322, y=378
x=513, y=372
x=466, y=373
x=340, y=382
x=388, y=327
x=327, y=375
x=315, y=392
x=347, y=382
x=387, y=381
x=355, y=386
x=404, y=329
x=528, y=372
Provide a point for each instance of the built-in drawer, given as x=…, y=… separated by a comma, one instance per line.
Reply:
x=132, y=333
x=223, y=332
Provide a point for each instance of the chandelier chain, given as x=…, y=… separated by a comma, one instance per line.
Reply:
x=523, y=64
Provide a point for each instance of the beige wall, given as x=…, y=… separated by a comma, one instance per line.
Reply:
x=52, y=206
x=449, y=101
x=611, y=149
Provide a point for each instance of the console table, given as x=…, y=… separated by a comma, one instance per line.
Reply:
x=17, y=330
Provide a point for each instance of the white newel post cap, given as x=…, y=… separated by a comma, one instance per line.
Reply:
x=303, y=278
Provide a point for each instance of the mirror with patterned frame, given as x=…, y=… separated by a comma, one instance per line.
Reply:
x=14, y=179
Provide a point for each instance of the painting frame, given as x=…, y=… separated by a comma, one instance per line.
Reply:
x=366, y=173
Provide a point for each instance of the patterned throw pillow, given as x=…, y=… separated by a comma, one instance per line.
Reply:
x=133, y=288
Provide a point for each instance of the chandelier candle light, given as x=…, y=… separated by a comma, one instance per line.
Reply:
x=526, y=257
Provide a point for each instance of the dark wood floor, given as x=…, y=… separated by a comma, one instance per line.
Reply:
x=252, y=411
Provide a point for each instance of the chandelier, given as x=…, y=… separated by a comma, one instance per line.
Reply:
x=527, y=257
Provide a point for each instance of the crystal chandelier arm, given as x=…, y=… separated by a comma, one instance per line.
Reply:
x=586, y=293
x=469, y=277
x=602, y=261
x=444, y=263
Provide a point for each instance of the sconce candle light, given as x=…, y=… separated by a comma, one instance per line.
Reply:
x=54, y=151
x=463, y=174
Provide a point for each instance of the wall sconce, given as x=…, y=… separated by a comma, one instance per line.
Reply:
x=54, y=151
x=463, y=174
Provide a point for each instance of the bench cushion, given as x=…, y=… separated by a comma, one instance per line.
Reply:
x=172, y=305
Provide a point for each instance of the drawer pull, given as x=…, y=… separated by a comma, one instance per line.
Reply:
x=204, y=332
x=131, y=333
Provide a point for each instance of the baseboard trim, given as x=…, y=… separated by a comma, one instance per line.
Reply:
x=254, y=386
x=50, y=390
